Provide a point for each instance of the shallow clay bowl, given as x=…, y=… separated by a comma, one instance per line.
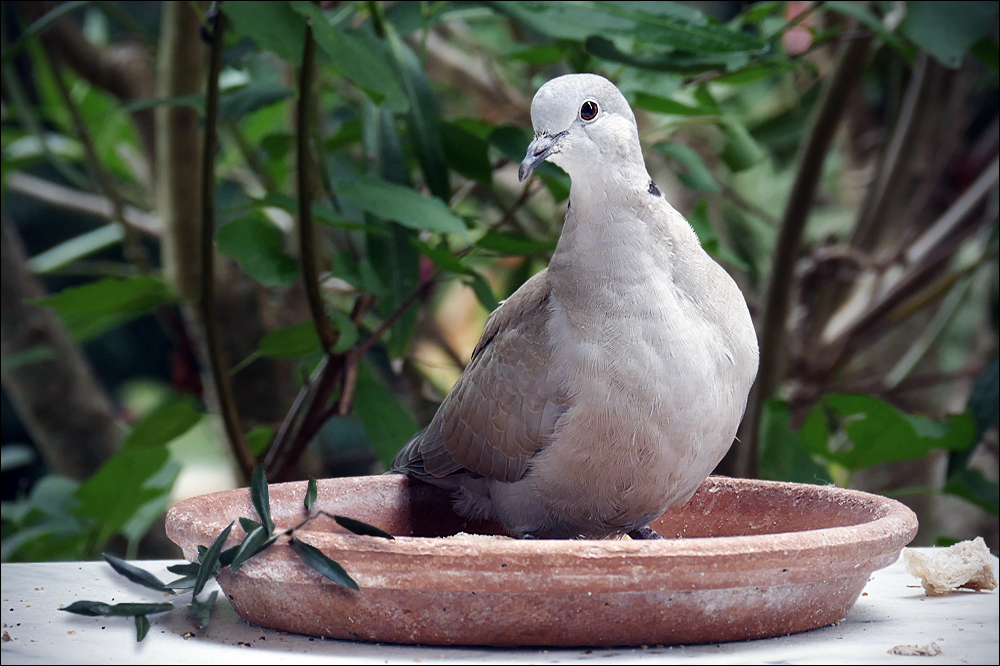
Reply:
x=743, y=559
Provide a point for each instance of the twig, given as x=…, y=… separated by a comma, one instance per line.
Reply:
x=206, y=302
x=307, y=247
x=133, y=249
x=848, y=71
x=82, y=202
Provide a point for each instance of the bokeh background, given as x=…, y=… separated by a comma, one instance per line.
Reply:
x=170, y=321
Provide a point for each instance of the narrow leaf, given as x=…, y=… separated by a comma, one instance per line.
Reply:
x=186, y=569
x=202, y=609
x=100, y=608
x=165, y=423
x=315, y=558
x=401, y=204
x=184, y=583
x=358, y=527
x=88, y=608
x=260, y=499
x=273, y=25
x=290, y=342
x=135, y=574
x=248, y=525
x=311, y=493
x=256, y=245
x=210, y=559
x=695, y=173
x=254, y=542
x=483, y=291
x=360, y=62
x=670, y=107
x=971, y=485
x=259, y=439
x=141, y=627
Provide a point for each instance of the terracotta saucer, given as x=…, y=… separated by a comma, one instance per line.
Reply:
x=743, y=559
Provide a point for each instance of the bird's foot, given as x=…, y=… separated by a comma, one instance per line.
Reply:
x=645, y=532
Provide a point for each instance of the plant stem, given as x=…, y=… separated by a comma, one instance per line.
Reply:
x=850, y=66
x=307, y=246
x=206, y=301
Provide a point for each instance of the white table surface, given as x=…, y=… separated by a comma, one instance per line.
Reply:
x=892, y=611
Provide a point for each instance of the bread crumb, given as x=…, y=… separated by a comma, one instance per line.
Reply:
x=967, y=565
x=931, y=650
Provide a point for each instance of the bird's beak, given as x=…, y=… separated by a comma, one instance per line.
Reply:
x=540, y=148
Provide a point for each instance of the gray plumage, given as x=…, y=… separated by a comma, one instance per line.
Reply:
x=609, y=385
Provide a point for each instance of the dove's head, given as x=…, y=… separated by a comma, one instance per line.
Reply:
x=581, y=121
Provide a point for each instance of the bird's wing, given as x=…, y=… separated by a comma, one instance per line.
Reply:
x=505, y=406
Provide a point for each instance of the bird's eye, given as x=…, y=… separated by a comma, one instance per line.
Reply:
x=589, y=110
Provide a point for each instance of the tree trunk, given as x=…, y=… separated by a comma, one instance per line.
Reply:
x=61, y=404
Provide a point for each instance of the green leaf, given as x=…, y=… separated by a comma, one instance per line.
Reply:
x=668, y=24
x=260, y=499
x=275, y=26
x=77, y=248
x=467, y=153
x=93, y=308
x=364, y=529
x=168, y=421
x=183, y=583
x=241, y=102
x=670, y=107
x=211, y=559
x=26, y=357
x=538, y=55
x=971, y=485
x=984, y=401
x=257, y=245
x=948, y=31
x=742, y=150
x=423, y=119
x=203, y=609
x=364, y=65
x=781, y=456
x=88, y=608
x=878, y=432
x=512, y=244
x=679, y=63
x=116, y=493
x=483, y=291
x=695, y=173
x=860, y=13
x=248, y=524
x=259, y=438
x=987, y=52
x=141, y=627
x=135, y=574
x=290, y=342
x=100, y=608
x=186, y=569
x=401, y=204
x=442, y=257
x=315, y=558
x=311, y=492
x=391, y=270
x=256, y=541
x=387, y=425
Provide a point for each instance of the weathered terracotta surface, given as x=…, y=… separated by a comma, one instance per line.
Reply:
x=745, y=559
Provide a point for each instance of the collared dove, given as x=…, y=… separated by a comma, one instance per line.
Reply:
x=609, y=385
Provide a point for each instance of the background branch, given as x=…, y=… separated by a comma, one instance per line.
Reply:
x=742, y=458
x=206, y=301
